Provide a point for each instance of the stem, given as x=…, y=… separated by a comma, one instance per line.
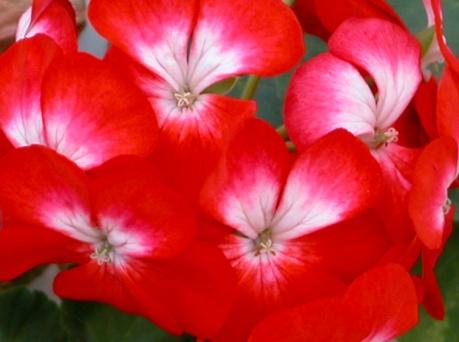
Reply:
x=289, y=2
x=290, y=146
x=250, y=87
x=282, y=131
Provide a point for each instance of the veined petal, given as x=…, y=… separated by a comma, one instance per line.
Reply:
x=22, y=68
x=334, y=179
x=93, y=114
x=436, y=169
x=154, y=33
x=328, y=93
x=54, y=18
x=234, y=37
x=140, y=216
x=389, y=54
x=24, y=247
x=39, y=187
x=244, y=190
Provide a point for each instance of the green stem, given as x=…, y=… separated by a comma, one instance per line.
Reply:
x=282, y=131
x=289, y=2
x=250, y=87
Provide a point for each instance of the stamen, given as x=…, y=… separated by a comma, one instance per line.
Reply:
x=103, y=253
x=185, y=99
x=384, y=138
x=264, y=243
x=447, y=206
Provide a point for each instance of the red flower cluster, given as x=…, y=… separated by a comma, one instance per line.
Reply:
x=170, y=201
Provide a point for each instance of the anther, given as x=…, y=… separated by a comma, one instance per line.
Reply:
x=103, y=253
x=384, y=138
x=184, y=99
x=264, y=243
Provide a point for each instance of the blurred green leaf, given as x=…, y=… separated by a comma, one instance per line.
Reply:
x=27, y=316
x=91, y=322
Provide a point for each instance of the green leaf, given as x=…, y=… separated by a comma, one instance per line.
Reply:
x=429, y=330
x=223, y=87
x=91, y=322
x=27, y=316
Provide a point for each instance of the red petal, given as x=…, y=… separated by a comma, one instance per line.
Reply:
x=379, y=305
x=204, y=288
x=22, y=68
x=244, y=190
x=40, y=187
x=138, y=289
x=425, y=102
x=435, y=171
x=331, y=13
x=385, y=302
x=334, y=179
x=154, y=33
x=389, y=54
x=234, y=37
x=25, y=247
x=447, y=104
x=318, y=321
x=328, y=93
x=54, y=18
x=92, y=114
x=129, y=199
x=339, y=248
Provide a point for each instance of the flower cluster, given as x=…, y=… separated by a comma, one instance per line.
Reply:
x=163, y=196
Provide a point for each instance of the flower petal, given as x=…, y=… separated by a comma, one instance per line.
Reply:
x=435, y=171
x=389, y=54
x=244, y=190
x=39, y=187
x=22, y=68
x=334, y=179
x=378, y=306
x=447, y=104
x=154, y=33
x=25, y=247
x=92, y=114
x=234, y=37
x=54, y=18
x=144, y=218
x=328, y=93
x=136, y=289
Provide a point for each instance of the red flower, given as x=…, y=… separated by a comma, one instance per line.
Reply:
x=379, y=306
x=72, y=103
x=272, y=207
x=363, y=84
x=122, y=232
x=182, y=47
